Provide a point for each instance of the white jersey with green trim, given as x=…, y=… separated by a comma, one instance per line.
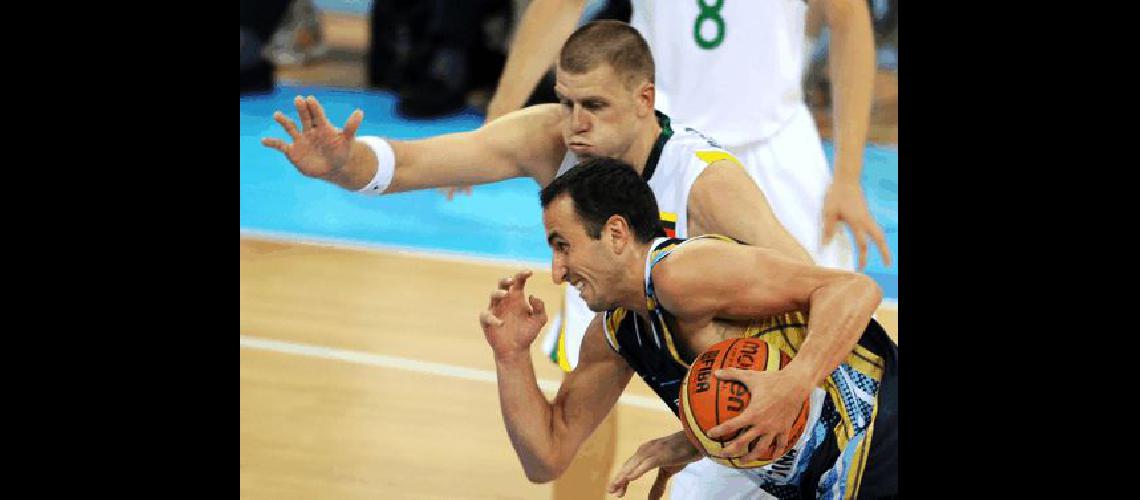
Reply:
x=677, y=159
x=732, y=69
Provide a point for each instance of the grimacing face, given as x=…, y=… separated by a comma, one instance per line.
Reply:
x=598, y=112
x=585, y=263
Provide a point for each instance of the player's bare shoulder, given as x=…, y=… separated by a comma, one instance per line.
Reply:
x=541, y=123
x=690, y=267
x=536, y=133
x=549, y=113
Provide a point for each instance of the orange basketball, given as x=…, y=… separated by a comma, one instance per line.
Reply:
x=707, y=401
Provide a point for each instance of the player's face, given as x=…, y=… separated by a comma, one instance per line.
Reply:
x=599, y=112
x=585, y=263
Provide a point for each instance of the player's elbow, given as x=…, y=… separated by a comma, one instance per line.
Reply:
x=540, y=477
x=871, y=290
x=544, y=468
x=543, y=473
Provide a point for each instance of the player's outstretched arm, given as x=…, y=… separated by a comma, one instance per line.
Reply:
x=526, y=143
x=546, y=435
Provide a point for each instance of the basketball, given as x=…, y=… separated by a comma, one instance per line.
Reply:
x=707, y=401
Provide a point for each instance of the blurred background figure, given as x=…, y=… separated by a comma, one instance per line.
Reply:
x=299, y=38
x=438, y=56
x=442, y=55
x=399, y=43
x=259, y=20
x=435, y=53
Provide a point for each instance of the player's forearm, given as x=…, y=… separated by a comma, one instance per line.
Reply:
x=442, y=161
x=839, y=313
x=852, y=70
x=528, y=417
x=421, y=164
x=544, y=27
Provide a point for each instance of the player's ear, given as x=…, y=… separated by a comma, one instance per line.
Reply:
x=646, y=98
x=620, y=233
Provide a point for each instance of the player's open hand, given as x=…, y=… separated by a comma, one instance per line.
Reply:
x=319, y=149
x=764, y=425
x=511, y=321
x=667, y=454
x=845, y=203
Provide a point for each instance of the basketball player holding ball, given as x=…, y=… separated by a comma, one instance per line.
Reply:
x=665, y=302
x=733, y=71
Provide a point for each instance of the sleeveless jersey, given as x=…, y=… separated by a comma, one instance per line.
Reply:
x=680, y=154
x=730, y=68
x=832, y=452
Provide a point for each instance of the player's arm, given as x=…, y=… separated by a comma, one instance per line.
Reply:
x=725, y=200
x=545, y=26
x=546, y=435
x=852, y=68
x=715, y=279
x=526, y=143
x=669, y=454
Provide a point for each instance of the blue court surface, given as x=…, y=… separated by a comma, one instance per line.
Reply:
x=499, y=221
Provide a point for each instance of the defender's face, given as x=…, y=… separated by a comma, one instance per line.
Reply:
x=585, y=263
x=599, y=114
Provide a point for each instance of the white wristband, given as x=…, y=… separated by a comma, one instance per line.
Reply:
x=385, y=167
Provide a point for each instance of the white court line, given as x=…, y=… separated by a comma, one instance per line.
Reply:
x=463, y=258
x=548, y=386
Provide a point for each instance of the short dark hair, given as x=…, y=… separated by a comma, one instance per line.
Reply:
x=602, y=187
x=613, y=42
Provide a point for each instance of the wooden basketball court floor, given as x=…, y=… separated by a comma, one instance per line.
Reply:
x=364, y=374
